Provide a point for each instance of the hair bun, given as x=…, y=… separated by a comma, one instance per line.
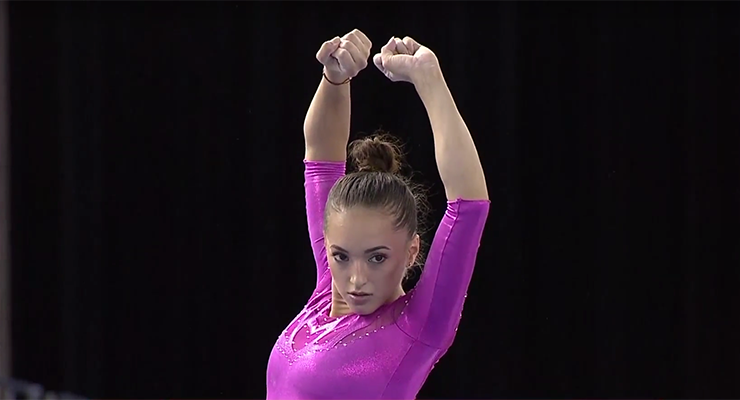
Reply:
x=377, y=153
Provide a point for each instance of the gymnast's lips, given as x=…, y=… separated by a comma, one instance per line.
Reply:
x=359, y=297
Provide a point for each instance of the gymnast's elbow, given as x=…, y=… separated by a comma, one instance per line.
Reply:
x=468, y=184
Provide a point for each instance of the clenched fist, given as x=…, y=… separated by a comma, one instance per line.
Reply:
x=405, y=60
x=344, y=57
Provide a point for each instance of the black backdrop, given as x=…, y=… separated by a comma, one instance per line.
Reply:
x=158, y=232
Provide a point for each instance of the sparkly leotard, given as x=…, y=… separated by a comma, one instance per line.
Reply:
x=389, y=353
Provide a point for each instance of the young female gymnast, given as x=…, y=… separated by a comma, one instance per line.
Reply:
x=360, y=336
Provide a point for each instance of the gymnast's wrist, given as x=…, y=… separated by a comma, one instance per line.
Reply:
x=429, y=83
x=335, y=78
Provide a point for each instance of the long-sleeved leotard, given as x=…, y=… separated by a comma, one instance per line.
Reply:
x=389, y=353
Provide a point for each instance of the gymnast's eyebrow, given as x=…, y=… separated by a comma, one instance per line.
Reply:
x=370, y=250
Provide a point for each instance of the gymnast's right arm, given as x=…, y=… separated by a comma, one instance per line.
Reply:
x=326, y=131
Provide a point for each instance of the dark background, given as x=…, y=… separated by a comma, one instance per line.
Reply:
x=158, y=223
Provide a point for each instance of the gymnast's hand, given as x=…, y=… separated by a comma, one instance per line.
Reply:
x=344, y=57
x=406, y=60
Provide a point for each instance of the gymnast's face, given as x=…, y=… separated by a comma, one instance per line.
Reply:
x=367, y=257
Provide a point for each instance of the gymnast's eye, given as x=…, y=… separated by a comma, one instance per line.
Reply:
x=340, y=257
x=378, y=259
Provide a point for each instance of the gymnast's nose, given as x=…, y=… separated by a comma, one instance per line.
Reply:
x=359, y=276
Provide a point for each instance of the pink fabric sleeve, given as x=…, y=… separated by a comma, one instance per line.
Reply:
x=434, y=310
x=320, y=176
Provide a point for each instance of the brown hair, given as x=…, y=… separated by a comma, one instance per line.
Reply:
x=378, y=183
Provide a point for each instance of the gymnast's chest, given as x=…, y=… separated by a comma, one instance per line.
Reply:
x=317, y=354
x=338, y=371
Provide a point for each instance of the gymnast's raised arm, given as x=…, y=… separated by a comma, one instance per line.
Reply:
x=326, y=130
x=434, y=312
x=457, y=159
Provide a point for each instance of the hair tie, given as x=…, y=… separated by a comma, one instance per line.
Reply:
x=334, y=83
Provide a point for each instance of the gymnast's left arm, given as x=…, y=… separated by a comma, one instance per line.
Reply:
x=434, y=311
x=457, y=158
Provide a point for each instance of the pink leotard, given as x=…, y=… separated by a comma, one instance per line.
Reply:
x=389, y=353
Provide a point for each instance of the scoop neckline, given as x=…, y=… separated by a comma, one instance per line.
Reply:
x=327, y=312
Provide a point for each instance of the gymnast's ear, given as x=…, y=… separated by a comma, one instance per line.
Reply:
x=414, y=247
